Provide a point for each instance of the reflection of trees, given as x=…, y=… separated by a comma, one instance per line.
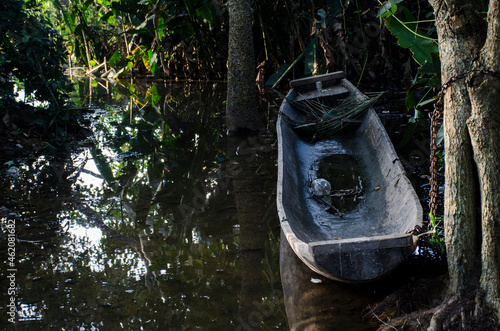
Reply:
x=253, y=187
x=170, y=255
x=172, y=196
x=248, y=187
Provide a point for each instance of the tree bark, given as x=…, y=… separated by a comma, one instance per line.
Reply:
x=484, y=125
x=458, y=34
x=469, y=49
x=241, y=106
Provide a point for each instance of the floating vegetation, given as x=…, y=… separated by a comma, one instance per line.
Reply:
x=325, y=120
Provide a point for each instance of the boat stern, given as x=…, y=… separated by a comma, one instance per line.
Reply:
x=362, y=259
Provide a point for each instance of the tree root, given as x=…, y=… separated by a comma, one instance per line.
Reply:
x=416, y=296
x=416, y=307
x=463, y=313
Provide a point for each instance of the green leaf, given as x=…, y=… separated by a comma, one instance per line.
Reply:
x=290, y=67
x=408, y=135
x=310, y=61
x=387, y=6
x=411, y=100
x=87, y=4
x=115, y=58
x=425, y=102
x=155, y=97
x=408, y=36
x=440, y=136
x=106, y=16
x=418, y=118
x=274, y=77
x=152, y=58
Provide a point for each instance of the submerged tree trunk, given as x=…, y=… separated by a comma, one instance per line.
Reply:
x=241, y=106
x=469, y=49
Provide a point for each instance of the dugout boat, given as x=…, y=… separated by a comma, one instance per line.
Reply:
x=345, y=204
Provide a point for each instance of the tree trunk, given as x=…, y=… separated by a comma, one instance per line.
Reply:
x=241, y=106
x=467, y=47
x=484, y=128
x=457, y=37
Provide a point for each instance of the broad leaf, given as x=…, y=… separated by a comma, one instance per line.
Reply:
x=387, y=6
x=420, y=45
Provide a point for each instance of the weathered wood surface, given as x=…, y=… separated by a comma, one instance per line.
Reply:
x=373, y=238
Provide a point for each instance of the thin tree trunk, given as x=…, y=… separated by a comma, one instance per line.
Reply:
x=241, y=106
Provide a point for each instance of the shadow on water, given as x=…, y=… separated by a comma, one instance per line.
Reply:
x=160, y=221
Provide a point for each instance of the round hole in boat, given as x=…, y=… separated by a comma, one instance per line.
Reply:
x=343, y=171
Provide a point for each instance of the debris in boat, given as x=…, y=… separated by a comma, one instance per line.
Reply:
x=357, y=192
x=323, y=201
x=321, y=187
x=328, y=120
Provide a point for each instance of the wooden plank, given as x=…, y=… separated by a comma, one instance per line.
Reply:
x=321, y=78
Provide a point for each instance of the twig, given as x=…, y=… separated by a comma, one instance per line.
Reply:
x=320, y=199
x=378, y=318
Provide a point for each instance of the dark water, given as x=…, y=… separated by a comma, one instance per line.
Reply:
x=155, y=223
x=158, y=221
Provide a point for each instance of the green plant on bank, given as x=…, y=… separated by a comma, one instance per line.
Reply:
x=88, y=27
x=30, y=54
x=425, y=52
x=31, y=60
x=188, y=39
x=435, y=235
x=184, y=37
x=423, y=45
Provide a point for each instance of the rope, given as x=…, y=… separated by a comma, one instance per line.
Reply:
x=436, y=116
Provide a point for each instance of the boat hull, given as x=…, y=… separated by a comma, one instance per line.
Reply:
x=368, y=238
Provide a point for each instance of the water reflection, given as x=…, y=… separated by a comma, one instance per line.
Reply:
x=253, y=183
x=157, y=223
x=316, y=303
x=161, y=222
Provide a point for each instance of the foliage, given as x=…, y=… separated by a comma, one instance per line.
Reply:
x=86, y=27
x=408, y=34
x=424, y=49
x=188, y=39
x=183, y=37
x=31, y=55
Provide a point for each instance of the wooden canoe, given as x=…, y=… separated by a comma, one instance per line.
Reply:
x=351, y=238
